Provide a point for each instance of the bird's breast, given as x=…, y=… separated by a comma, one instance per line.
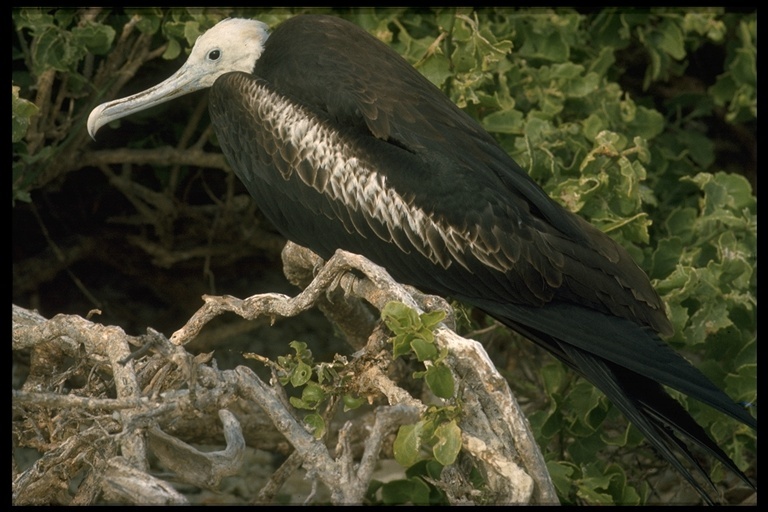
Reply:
x=273, y=142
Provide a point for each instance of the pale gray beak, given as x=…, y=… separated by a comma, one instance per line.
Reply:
x=184, y=81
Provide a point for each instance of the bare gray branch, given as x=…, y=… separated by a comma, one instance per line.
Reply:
x=160, y=386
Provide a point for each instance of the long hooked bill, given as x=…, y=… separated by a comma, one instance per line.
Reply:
x=184, y=81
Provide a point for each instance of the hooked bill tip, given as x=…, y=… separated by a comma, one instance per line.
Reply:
x=93, y=124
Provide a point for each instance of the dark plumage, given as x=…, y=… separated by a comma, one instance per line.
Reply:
x=344, y=145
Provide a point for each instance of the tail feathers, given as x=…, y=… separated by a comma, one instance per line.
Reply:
x=620, y=342
x=658, y=417
x=629, y=364
x=668, y=411
x=665, y=442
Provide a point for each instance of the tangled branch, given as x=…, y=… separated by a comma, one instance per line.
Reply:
x=101, y=403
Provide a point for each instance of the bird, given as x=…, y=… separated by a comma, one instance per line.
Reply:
x=344, y=145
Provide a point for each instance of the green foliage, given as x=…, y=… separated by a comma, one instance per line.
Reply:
x=706, y=265
x=448, y=443
x=413, y=333
x=318, y=382
x=736, y=88
x=437, y=432
x=21, y=114
x=415, y=488
x=411, y=490
x=60, y=43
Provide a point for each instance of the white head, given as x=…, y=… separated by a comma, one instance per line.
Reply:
x=233, y=44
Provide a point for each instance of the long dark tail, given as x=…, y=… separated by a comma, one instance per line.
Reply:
x=629, y=364
x=658, y=416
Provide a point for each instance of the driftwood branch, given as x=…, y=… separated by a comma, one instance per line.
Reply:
x=138, y=393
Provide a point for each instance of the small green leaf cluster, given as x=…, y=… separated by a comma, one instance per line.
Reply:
x=596, y=484
x=438, y=430
x=414, y=488
x=413, y=333
x=61, y=41
x=318, y=382
x=577, y=417
x=22, y=112
x=736, y=88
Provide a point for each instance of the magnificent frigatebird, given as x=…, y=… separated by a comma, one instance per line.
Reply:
x=344, y=145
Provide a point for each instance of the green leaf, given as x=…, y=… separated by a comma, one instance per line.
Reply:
x=744, y=67
x=504, y=121
x=315, y=424
x=603, y=62
x=542, y=40
x=705, y=23
x=407, y=444
x=351, y=402
x=425, y=334
x=448, y=444
x=553, y=377
x=670, y=39
x=96, y=38
x=709, y=319
x=412, y=490
x=299, y=403
x=581, y=86
x=33, y=18
x=593, y=125
x=737, y=86
x=440, y=381
x=301, y=374
x=699, y=147
x=428, y=468
x=149, y=19
x=399, y=317
x=301, y=349
x=401, y=344
x=741, y=385
x=312, y=395
x=173, y=50
x=586, y=399
x=723, y=191
x=21, y=115
x=423, y=349
x=647, y=123
x=432, y=319
x=594, y=492
x=666, y=257
x=622, y=492
x=680, y=223
x=51, y=50
x=437, y=69
x=562, y=474
x=192, y=31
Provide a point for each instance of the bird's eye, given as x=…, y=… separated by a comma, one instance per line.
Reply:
x=214, y=54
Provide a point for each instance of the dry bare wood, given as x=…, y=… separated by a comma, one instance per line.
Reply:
x=100, y=406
